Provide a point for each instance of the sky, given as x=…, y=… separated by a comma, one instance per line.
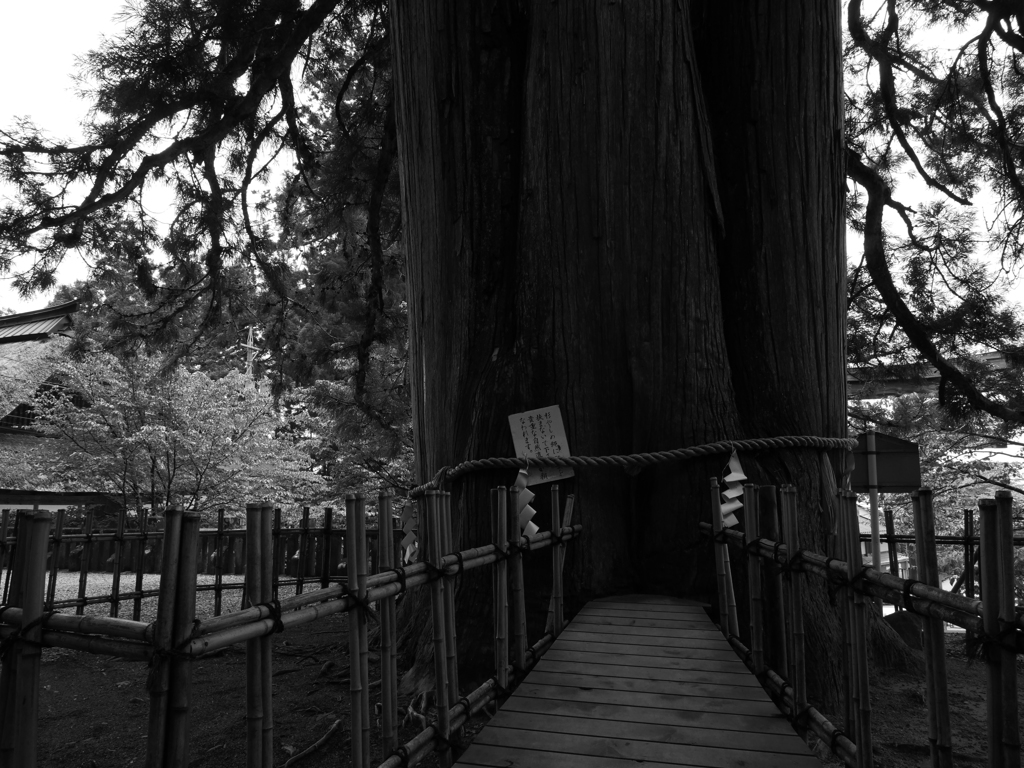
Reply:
x=37, y=60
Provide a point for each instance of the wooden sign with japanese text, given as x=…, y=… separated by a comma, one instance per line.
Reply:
x=541, y=433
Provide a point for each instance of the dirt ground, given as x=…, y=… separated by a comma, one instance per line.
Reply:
x=94, y=709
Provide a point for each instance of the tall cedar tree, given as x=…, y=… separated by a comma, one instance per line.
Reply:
x=633, y=210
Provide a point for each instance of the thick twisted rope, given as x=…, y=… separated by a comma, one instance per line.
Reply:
x=636, y=461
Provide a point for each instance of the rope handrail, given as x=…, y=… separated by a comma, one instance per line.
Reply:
x=636, y=461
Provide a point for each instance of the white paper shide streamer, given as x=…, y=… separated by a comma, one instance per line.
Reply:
x=410, y=543
x=732, y=496
x=524, y=510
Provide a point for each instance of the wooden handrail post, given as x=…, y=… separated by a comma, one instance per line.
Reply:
x=26, y=675
x=253, y=647
x=300, y=574
x=934, y=634
x=557, y=555
x=355, y=678
x=726, y=597
x=990, y=618
x=325, y=550
x=751, y=521
x=499, y=511
x=9, y=671
x=796, y=610
x=267, y=571
x=768, y=527
x=160, y=675
x=389, y=680
x=431, y=517
x=362, y=570
x=860, y=626
x=1007, y=619
x=518, y=590
x=451, y=649
x=180, y=693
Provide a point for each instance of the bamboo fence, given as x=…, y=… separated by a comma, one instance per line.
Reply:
x=176, y=638
x=993, y=619
x=302, y=556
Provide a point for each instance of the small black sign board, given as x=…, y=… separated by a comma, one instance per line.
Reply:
x=898, y=461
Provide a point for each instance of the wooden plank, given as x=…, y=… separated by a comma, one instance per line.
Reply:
x=486, y=756
x=677, y=718
x=653, y=600
x=695, y=610
x=609, y=668
x=574, y=644
x=647, y=751
x=786, y=743
x=582, y=678
x=670, y=620
x=640, y=627
x=569, y=651
x=640, y=699
x=591, y=633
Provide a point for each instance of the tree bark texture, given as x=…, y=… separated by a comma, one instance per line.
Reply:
x=634, y=211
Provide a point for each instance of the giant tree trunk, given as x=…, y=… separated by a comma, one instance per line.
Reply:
x=604, y=215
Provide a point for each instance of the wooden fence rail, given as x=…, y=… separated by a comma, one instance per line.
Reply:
x=994, y=619
x=302, y=557
x=172, y=642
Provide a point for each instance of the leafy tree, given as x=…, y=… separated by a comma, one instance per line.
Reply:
x=933, y=96
x=154, y=437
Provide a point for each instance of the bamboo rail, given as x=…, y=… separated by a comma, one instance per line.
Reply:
x=175, y=638
x=993, y=618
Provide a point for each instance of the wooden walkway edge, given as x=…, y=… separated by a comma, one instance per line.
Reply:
x=639, y=678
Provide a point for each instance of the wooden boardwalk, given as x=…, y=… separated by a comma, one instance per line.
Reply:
x=639, y=678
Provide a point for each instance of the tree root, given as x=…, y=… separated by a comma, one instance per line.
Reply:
x=313, y=747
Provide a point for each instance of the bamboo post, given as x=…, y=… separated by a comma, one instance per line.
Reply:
x=890, y=537
x=278, y=548
x=792, y=529
x=969, y=559
x=751, y=521
x=768, y=527
x=9, y=671
x=987, y=519
x=451, y=647
x=850, y=696
x=5, y=564
x=355, y=678
x=26, y=680
x=860, y=618
x=266, y=596
x=786, y=619
x=499, y=512
x=385, y=562
x=253, y=647
x=218, y=570
x=180, y=693
x=432, y=523
x=83, y=573
x=935, y=635
x=518, y=589
x=1007, y=621
x=303, y=546
x=325, y=554
x=140, y=565
x=557, y=555
x=361, y=621
x=51, y=588
x=721, y=553
x=115, y=584
x=160, y=674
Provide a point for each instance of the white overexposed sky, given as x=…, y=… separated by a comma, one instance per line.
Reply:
x=38, y=45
